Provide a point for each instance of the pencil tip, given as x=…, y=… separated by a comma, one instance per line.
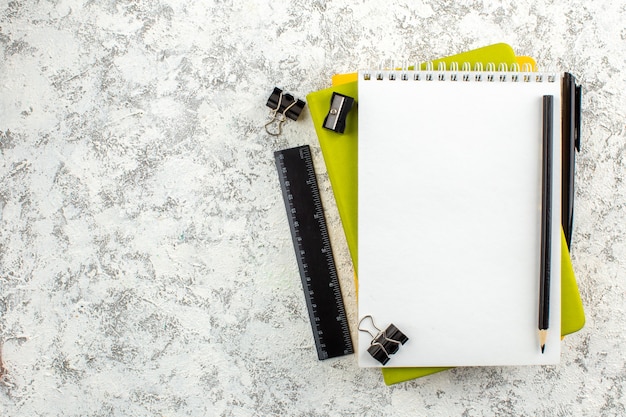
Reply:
x=543, y=337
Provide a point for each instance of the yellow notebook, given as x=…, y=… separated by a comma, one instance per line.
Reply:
x=340, y=154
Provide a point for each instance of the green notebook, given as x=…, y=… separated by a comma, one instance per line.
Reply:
x=340, y=155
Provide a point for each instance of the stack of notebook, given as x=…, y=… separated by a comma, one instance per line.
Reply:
x=423, y=267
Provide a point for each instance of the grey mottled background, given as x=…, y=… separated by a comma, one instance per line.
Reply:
x=146, y=267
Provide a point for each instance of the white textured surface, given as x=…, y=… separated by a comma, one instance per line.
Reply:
x=145, y=262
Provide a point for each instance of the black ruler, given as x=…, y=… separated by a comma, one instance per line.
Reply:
x=313, y=251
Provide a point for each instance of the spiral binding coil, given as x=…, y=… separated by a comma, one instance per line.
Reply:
x=467, y=73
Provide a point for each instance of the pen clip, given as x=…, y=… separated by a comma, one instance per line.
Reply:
x=578, y=91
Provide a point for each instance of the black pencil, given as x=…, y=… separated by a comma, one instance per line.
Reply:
x=546, y=222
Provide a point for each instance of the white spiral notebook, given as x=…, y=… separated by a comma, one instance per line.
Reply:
x=449, y=228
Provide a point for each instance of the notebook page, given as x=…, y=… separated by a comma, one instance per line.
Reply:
x=449, y=219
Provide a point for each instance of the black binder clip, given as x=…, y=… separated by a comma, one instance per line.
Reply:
x=385, y=343
x=340, y=106
x=283, y=106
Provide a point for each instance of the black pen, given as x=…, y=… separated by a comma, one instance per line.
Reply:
x=572, y=95
x=546, y=221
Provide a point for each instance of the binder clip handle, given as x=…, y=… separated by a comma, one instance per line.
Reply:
x=373, y=325
x=278, y=119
